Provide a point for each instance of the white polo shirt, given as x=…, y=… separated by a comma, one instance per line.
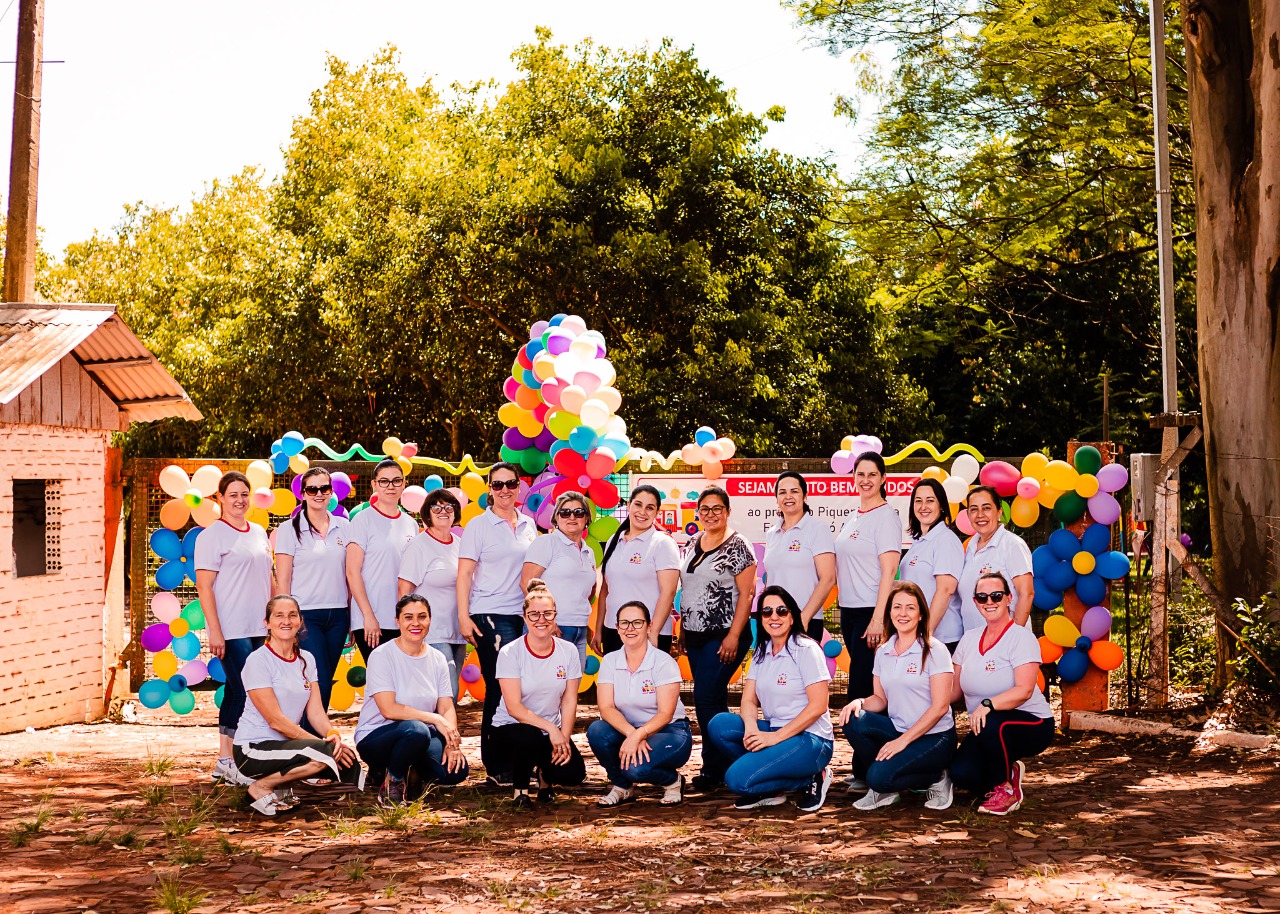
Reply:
x=1004, y=552
x=542, y=679
x=906, y=686
x=985, y=674
x=319, y=562
x=635, y=695
x=632, y=573
x=417, y=682
x=289, y=680
x=498, y=552
x=789, y=556
x=384, y=538
x=243, y=561
x=781, y=680
x=569, y=570
x=432, y=568
x=937, y=552
x=865, y=536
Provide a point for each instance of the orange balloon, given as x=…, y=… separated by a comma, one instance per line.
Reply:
x=1049, y=652
x=527, y=398
x=476, y=689
x=174, y=514
x=1106, y=655
x=685, y=672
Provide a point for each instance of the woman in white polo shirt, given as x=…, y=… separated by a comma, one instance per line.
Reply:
x=429, y=568
x=904, y=734
x=271, y=748
x=868, y=549
x=533, y=726
x=408, y=728
x=233, y=579
x=935, y=560
x=311, y=564
x=379, y=536
x=800, y=553
x=566, y=564
x=642, y=736
x=490, y=598
x=640, y=563
x=1009, y=717
x=788, y=683
x=993, y=548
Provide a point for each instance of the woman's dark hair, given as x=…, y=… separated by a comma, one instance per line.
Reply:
x=995, y=496
x=995, y=576
x=383, y=464
x=302, y=514
x=922, y=627
x=440, y=497
x=625, y=527
x=804, y=488
x=913, y=522
x=411, y=598
x=637, y=604
x=879, y=464
x=509, y=467
x=234, y=476
x=717, y=491
x=793, y=609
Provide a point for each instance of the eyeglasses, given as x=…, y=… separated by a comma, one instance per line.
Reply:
x=317, y=490
x=571, y=512
x=626, y=624
x=533, y=615
x=982, y=599
x=499, y=484
x=768, y=611
x=387, y=482
x=711, y=510
x=442, y=509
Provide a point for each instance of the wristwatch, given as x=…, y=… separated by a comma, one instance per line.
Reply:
x=986, y=703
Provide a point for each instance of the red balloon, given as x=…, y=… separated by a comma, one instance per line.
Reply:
x=1001, y=476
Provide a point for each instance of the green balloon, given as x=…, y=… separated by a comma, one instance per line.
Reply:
x=183, y=702
x=532, y=461
x=1069, y=507
x=605, y=527
x=1088, y=460
x=509, y=454
x=355, y=677
x=194, y=616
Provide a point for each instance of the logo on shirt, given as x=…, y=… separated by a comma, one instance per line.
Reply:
x=636, y=558
x=853, y=535
x=782, y=679
x=648, y=688
x=913, y=668
x=560, y=672
x=914, y=559
x=794, y=547
x=991, y=666
x=986, y=569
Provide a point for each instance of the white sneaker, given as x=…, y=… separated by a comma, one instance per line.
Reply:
x=227, y=772
x=855, y=783
x=941, y=793
x=875, y=800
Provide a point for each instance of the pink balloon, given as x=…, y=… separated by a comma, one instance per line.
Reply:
x=842, y=462
x=413, y=498
x=1112, y=477
x=831, y=666
x=538, y=328
x=1001, y=476
x=1029, y=488
x=1096, y=623
x=510, y=387
x=963, y=524
x=462, y=496
x=165, y=606
x=1104, y=508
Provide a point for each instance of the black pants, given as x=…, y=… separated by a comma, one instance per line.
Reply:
x=853, y=622
x=611, y=641
x=815, y=628
x=523, y=747
x=985, y=760
x=388, y=634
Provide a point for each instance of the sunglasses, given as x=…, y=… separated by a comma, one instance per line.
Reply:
x=994, y=597
x=501, y=484
x=624, y=624
x=533, y=615
x=317, y=490
x=387, y=482
x=571, y=512
x=770, y=611
x=442, y=509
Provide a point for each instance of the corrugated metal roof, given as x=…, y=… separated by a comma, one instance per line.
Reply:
x=33, y=338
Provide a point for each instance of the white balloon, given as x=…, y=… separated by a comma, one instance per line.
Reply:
x=174, y=481
x=206, y=479
x=617, y=427
x=594, y=414
x=727, y=447
x=574, y=324
x=604, y=370
x=966, y=467
x=610, y=397
x=956, y=488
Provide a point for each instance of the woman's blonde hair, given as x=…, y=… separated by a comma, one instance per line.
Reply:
x=537, y=590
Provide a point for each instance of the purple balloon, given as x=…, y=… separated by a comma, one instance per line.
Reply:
x=340, y=511
x=156, y=637
x=513, y=439
x=1096, y=623
x=558, y=342
x=194, y=671
x=296, y=487
x=1104, y=508
x=1112, y=477
x=545, y=439
x=341, y=485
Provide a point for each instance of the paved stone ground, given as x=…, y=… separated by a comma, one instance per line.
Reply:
x=103, y=817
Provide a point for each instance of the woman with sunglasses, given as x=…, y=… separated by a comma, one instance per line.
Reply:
x=490, y=600
x=717, y=580
x=233, y=579
x=311, y=564
x=533, y=727
x=429, y=569
x=563, y=560
x=788, y=683
x=993, y=547
x=935, y=560
x=799, y=552
x=379, y=536
x=642, y=564
x=904, y=734
x=1009, y=717
x=642, y=736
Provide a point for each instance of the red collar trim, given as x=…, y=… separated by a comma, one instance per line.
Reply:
x=528, y=646
x=447, y=542
x=983, y=650
x=285, y=659
x=248, y=525
x=876, y=508
x=385, y=514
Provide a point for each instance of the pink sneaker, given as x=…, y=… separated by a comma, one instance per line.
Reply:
x=1002, y=801
x=1015, y=779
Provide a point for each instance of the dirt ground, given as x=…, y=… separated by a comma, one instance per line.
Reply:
x=123, y=818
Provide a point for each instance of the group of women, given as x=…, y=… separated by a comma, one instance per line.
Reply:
x=951, y=629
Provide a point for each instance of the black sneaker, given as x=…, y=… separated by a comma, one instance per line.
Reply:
x=705, y=783
x=521, y=801
x=373, y=778
x=816, y=794
x=392, y=793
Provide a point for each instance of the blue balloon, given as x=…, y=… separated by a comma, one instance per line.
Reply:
x=832, y=648
x=276, y=445
x=216, y=672
x=558, y=446
x=1096, y=539
x=484, y=500
x=432, y=482
x=169, y=575
x=705, y=435
x=279, y=461
x=1046, y=599
x=165, y=543
x=557, y=320
x=1064, y=544
x=619, y=447
x=1083, y=644
x=292, y=443
x=187, y=647
x=755, y=630
x=1112, y=565
x=531, y=380
x=593, y=665
x=1073, y=665
x=189, y=543
x=582, y=439
x=177, y=683
x=1091, y=589
x=1059, y=577
x=533, y=348
x=1042, y=559
x=153, y=693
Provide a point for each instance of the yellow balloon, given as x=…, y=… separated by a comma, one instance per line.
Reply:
x=179, y=627
x=474, y=485
x=846, y=443
x=175, y=514
x=1087, y=485
x=1024, y=512
x=260, y=475
x=1083, y=562
x=544, y=366
x=1048, y=496
x=1061, y=631
x=258, y=516
x=206, y=513
x=1033, y=465
x=299, y=464
x=1061, y=475
x=509, y=414
x=937, y=473
x=165, y=664
x=405, y=464
x=392, y=447
x=529, y=426
x=470, y=513
x=342, y=696
x=285, y=502
x=586, y=682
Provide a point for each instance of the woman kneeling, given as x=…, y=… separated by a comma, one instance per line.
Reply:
x=788, y=682
x=904, y=734
x=408, y=727
x=643, y=734
x=270, y=746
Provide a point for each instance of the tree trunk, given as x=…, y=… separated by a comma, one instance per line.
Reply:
x=1233, y=75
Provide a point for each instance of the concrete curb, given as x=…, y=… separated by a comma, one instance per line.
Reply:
x=1233, y=739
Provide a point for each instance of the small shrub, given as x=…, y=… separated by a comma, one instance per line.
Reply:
x=171, y=896
x=22, y=833
x=1260, y=648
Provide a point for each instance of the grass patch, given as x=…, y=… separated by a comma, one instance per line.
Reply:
x=76, y=813
x=340, y=826
x=129, y=839
x=357, y=870
x=154, y=794
x=22, y=834
x=310, y=897
x=179, y=825
x=186, y=853
x=171, y=896
x=157, y=766
x=93, y=839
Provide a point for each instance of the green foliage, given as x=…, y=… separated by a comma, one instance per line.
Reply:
x=1257, y=658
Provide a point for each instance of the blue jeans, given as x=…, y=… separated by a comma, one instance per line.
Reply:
x=324, y=634
x=494, y=632
x=455, y=655
x=577, y=636
x=922, y=763
x=233, y=697
x=711, y=697
x=790, y=765
x=404, y=744
x=669, y=748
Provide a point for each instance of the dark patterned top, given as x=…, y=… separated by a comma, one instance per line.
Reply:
x=708, y=585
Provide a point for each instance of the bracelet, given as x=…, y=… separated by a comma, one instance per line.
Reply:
x=333, y=731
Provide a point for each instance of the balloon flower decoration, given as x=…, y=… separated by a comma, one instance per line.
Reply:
x=1086, y=563
x=709, y=452
x=191, y=497
x=1069, y=490
x=179, y=557
x=851, y=448
x=1073, y=650
x=956, y=484
x=176, y=648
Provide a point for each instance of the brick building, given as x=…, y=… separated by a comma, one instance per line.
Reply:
x=70, y=377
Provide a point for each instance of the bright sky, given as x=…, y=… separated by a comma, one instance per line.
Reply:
x=157, y=98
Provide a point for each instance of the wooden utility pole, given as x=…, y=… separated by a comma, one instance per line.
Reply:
x=24, y=162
